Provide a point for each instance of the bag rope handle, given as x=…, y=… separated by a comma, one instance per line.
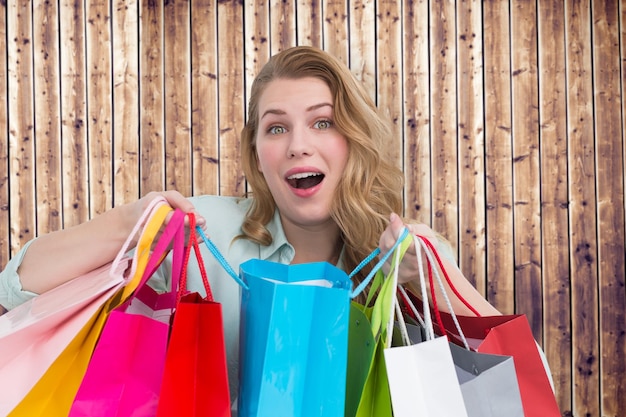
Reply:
x=229, y=269
x=193, y=243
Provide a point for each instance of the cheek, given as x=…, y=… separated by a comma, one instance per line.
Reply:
x=264, y=156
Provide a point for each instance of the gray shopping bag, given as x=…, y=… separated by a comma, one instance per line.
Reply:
x=488, y=383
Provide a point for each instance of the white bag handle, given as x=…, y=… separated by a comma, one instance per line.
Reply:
x=427, y=323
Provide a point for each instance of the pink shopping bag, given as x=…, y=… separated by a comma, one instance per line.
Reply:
x=34, y=334
x=125, y=372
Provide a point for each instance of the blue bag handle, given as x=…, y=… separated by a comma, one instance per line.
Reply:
x=220, y=258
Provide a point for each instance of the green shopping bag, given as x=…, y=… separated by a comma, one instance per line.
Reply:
x=367, y=391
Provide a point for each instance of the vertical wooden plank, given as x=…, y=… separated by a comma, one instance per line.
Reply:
x=610, y=195
x=256, y=40
x=99, y=105
x=125, y=27
x=231, y=90
x=336, y=29
x=554, y=196
x=526, y=186
x=4, y=143
x=204, y=99
x=416, y=132
x=585, y=378
x=21, y=124
x=309, y=23
x=389, y=72
x=152, y=100
x=47, y=117
x=256, y=45
x=74, y=113
x=362, y=43
x=471, y=143
x=444, y=146
x=177, y=97
x=498, y=155
x=282, y=25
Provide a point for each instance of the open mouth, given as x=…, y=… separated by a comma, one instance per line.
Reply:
x=305, y=180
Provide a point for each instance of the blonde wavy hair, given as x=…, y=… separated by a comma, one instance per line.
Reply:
x=371, y=187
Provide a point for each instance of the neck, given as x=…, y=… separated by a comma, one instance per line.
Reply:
x=319, y=244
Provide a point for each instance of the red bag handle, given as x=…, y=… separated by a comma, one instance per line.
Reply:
x=193, y=242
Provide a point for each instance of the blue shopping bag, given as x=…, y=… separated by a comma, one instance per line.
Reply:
x=294, y=339
x=293, y=349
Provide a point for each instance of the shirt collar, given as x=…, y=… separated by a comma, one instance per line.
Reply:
x=280, y=250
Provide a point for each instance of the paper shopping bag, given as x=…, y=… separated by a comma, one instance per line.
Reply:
x=195, y=378
x=422, y=376
x=53, y=392
x=502, y=335
x=488, y=383
x=294, y=336
x=510, y=335
x=124, y=374
x=361, y=349
x=423, y=381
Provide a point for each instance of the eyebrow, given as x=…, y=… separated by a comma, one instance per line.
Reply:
x=282, y=112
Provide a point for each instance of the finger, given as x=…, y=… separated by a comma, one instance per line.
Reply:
x=396, y=224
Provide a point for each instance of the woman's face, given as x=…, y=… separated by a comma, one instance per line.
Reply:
x=300, y=152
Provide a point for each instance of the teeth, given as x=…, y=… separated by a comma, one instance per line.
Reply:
x=303, y=175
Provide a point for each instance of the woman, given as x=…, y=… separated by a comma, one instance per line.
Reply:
x=323, y=190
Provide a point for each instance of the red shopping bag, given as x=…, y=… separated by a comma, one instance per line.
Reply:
x=124, y=374
x=195, y=379
x=507, y=335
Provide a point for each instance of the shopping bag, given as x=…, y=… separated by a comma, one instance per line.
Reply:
x=361, y=350
x=422, y=376
x=367, y=386
x=195, y=378
x=508, y=335
x=125, y=372
x=293, y=337
x=488, y=383
x=52, y=392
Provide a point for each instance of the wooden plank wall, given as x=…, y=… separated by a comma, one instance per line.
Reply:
x=508, y=120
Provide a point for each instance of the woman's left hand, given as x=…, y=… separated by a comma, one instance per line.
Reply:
x=408, y=268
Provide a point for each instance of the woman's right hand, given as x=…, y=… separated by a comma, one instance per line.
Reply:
x=57, y=257
x=175, y=199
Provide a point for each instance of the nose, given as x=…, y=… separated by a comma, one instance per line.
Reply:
x=300, y=144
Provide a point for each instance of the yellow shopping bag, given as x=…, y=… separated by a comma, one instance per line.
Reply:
x=54, y=393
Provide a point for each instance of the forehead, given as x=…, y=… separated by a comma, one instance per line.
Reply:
x=291, y=93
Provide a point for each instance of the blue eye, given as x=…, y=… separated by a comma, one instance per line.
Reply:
x=323, y=124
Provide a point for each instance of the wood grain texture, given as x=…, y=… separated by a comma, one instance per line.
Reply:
x=47, y=117
x=498, y=156
x=526, y=174
x=204, y=97
x=471, y=140
x=416, y=113
x=177, y=105
x=100, y=105
x=610, y=195
x=444, y=141
x=74, y=145
x=21, y=125
x=583, y=248
x=151, y=98
x=126, y=146
x=554, y=193
x=5, y=247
